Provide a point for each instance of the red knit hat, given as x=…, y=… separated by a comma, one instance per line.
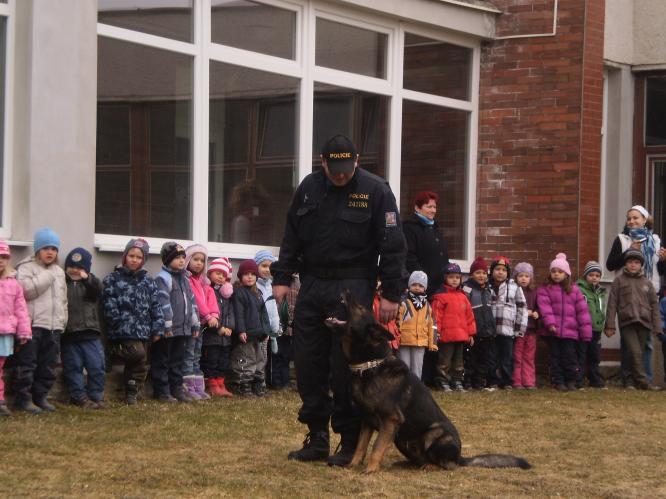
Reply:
x=501, y=260
x=222, y=264
x=247, y=266
x=478, y=264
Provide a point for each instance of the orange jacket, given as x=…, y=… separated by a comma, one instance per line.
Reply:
x=453, y=315
x=391, y=326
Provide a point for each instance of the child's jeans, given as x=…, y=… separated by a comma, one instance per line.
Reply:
x=77, y=355
x=449, y=367
x=635, y=338
x=192, y=358
x=524, y=350
x=166, y=365
x=478, y=360
x=413, y=357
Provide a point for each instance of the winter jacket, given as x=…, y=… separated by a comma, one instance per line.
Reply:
x=615, y=261
x=566, y=311
x=392, y=325
x=453, y=315
x=416, y=326
x=130, y=306
x=14, y=318
x=662, y=311
x=530, y=304
x=266, y=288
x=83, y=298
x=181, y=317
x=426, y=250
x=596, y=303
x=251, y=315
x=509, y=309
x=227, y=319
x=481, y=300
x=633, y=298
x=45, y=293
x=204, y=296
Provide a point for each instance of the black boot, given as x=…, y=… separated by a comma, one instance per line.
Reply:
x=131, y=392
x=315, y=447
x=43, y=404
x=181, y=395
x=345, y=450
x=24, y=403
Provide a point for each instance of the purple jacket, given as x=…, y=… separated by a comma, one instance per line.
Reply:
x=568, y=312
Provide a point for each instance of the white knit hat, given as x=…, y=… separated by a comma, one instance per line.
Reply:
x=418, y=277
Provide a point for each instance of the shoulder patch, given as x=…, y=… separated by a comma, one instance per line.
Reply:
x=391, y=219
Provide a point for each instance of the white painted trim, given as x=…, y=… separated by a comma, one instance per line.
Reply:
x=604, y=167
x=472, y=157
x=8, y=119
x=350, y=80
x=648, y=67
x=255, y=60
x=473, y=6
x=437, y=100
x=158, y=42
x=306, y=98
x=394, y=167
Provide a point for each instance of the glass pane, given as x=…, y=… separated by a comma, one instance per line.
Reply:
x=252, y=152
x=3, y=55
x=169, y=18
x=347, y=48
x=434, y=158
x=254, y=26
x=361, y=116
x=655, y=112
x=436, y=67
x=659, y=209
x=144, y=136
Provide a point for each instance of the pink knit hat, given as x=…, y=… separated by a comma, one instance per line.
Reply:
x=222, y=264
x=561, y=263
x=192, y=250
x=4, y=249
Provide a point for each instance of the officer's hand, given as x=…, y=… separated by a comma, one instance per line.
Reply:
x=280, y=292
x=387, y=310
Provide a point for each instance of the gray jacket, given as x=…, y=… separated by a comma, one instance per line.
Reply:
x=45, y=292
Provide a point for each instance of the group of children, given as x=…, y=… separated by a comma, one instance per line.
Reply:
x=196, y=333
x=485, y=329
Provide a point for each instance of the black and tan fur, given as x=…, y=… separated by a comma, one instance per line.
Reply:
x=396, y=404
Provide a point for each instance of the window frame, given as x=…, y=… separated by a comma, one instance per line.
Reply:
x=7, y=11
x=303, y=67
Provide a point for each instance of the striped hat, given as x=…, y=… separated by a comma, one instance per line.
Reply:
x=4, y=249
x=592, y=266
x=222, y=264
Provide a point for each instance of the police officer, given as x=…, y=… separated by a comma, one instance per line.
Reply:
x=342, y=232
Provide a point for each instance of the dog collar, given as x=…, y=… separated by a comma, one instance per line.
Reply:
x=360, y=368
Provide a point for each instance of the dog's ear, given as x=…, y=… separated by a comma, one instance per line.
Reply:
x=378, y=332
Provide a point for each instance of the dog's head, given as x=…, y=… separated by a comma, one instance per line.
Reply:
x=363, y=338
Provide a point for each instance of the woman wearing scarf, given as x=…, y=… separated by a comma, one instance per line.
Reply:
x=637, y=234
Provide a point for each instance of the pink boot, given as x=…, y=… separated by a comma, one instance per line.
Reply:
x=190, y=387
x=200, y=388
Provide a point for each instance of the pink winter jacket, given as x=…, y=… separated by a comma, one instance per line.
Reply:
x=568, y=312
x=204, y=294
x=14, y=317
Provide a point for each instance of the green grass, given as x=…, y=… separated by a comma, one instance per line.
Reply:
x=583, y=444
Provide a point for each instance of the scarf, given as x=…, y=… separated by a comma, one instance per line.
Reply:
x=647, y=247
x=418, y=300
x=424, y=218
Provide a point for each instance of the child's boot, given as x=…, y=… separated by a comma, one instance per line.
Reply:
x=182, y=395
x=200, y=388
x=190, y=387
x=223, y=389
x=4, y=410
x=213, y=386
x=43, y=404
x=131, y=392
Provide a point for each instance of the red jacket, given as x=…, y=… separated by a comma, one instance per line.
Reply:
x=392, y=326
x=453, y=315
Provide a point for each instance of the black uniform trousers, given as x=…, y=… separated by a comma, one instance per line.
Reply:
x=321, y=367
x=166, y=364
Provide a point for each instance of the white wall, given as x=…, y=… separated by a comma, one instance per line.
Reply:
x=634, y=32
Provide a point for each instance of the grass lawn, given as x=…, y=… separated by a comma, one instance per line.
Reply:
x=582, y=444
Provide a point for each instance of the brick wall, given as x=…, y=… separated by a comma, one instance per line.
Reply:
x=539, y=141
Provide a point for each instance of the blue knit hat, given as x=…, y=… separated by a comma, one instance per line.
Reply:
x=46, y=237
x=79, y=258
x=263, y=255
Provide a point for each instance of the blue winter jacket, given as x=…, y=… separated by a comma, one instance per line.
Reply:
x=179, y=306
x=130, y=306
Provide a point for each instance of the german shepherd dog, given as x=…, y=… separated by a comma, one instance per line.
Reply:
x=396, y=404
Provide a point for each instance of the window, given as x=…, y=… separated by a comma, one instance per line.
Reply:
x=211, y=111
x=655, y=111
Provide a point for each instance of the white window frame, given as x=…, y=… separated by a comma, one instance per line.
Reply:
x=303, y=67
x=7, y=11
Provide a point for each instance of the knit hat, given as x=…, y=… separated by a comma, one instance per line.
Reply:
x=633, y=253
x=501, y=260
x=452, y=268
x=171, y=250
x=263, y=255
x=247, y=266
x=561, y=263
x=4, y=249
x=79, y=258
x=139, y=243
x=418, y=277
x=592, y=266
x=640, y=209
x=523, y=267
x=46, y=237
x=193, y=249
x=478, y=264
x=222, y=264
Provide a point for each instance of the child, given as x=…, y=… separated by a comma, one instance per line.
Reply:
x=634, y=300
x=455, y=323
x=280, y=371
x=662, y=334
x=43, y=283
x=14, y=319
x=181, y=322
x=565, y=322
x=595, y=295
x=415, y=322
x=132, y=314
x=252, y=328
x=216, y=348
x=510, y=312
x=80, y=343
x=480, y=296
x=263, y=259
x=196, y=257
x=524, y=372
x=392, y=325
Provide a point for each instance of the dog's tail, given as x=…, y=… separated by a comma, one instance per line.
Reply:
x=495, y=461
